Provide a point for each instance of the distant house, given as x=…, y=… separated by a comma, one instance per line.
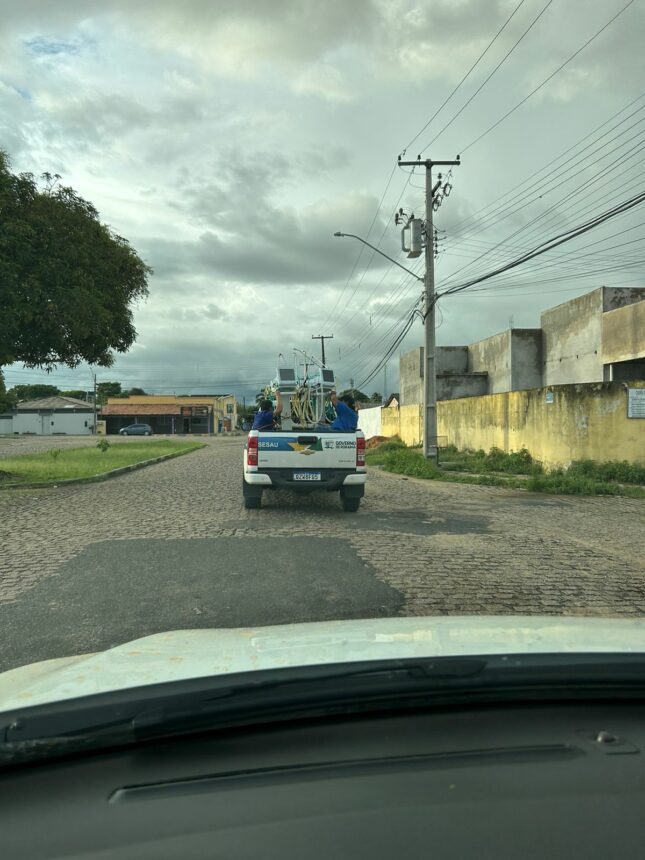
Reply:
x=171, y=414
x=393, y=400
x=50, y=416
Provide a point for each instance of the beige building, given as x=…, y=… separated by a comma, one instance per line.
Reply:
x=171, y=414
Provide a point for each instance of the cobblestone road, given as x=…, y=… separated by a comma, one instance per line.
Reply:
x=171, y=546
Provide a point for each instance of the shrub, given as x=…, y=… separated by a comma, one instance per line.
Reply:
x=103, y=445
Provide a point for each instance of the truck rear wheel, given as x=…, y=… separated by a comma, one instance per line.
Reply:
x=350, y=504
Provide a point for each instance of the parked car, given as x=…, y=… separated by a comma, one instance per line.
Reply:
x=136, y=430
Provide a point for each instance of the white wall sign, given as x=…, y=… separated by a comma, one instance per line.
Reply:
x=549, y=397
x=636, y=402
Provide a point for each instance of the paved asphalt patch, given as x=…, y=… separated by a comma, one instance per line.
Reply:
x=115, y=591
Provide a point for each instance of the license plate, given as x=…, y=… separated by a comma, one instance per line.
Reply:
x=306, y=476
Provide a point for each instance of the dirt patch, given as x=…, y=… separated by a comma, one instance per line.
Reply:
x=375, y=441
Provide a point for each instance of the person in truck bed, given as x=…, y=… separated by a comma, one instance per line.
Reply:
x=346, y=420
x=265, y=419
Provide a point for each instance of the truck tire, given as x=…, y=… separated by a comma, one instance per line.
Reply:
x=351, y=504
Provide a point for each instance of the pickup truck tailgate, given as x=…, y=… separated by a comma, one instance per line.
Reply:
x=306, y=450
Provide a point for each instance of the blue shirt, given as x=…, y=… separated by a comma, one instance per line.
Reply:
x=346, y=419
x=263, y=421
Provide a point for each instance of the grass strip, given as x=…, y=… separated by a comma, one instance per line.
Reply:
x=60, y=464
x=588, y=479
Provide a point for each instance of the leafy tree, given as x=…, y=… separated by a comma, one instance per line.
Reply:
x=136, y=392
x=7, y=398
x=108, y=389
x=376, y=397
x=33, y=392
x=68, y=284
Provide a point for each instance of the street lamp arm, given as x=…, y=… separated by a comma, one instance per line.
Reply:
x=409, y=271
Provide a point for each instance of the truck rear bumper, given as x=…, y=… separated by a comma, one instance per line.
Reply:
x=331, y=479
x=257, y=478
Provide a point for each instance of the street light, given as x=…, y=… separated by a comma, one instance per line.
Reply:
x=338, y=234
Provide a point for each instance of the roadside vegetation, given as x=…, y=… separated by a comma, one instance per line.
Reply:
x=498, y=469
x=59, y=464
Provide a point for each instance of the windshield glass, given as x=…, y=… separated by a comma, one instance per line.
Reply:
x=316, y=312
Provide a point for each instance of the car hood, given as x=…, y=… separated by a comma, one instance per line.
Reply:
x=183, y=654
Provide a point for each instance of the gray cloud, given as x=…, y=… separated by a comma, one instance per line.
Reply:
x=229, y=141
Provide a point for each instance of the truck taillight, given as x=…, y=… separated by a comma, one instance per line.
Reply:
x=252, y=451
x=360, y=451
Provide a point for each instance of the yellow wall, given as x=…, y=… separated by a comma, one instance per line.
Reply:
x=411, y=424
x=390, y=421
x=584, y=422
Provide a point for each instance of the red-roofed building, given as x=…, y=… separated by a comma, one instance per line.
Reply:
x=169, y=414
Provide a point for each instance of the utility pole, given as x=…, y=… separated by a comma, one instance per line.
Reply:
x=430, y=371
x=322, y=338
x=94, y=431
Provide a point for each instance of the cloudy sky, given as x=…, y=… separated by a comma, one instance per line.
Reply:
x=228, y=141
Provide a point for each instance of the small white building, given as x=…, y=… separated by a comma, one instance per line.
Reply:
x=50, y=416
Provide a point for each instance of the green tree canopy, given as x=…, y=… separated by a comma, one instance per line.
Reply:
x=108, y=389
x=68, y=284
x=33, y=392
x=376, y=397
x=7, y=399
x=136, y=392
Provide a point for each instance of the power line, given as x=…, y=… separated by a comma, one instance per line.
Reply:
x=487, y=79
x=567, y=195
x=360, y=253
x=540, y=175
x=336, y=320
x=465, y=77
x=553, y=243
x=331, y=317
x=547, y=79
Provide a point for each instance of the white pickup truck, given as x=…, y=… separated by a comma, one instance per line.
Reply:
x=303, y=461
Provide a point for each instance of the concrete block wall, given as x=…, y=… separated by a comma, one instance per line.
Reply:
x=453, y=376
x=411, y=376
x=571, y=337
x=451, y=359
x=623, y=333
x=526, y=358
x=556, y=425
x=453, y=385
x=492, y=356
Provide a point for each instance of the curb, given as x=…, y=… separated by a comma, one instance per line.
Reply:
x=94, y=479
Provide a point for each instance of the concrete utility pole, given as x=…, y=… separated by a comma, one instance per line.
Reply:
x=322, y=338
x=429, y=369
x=94, y=431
